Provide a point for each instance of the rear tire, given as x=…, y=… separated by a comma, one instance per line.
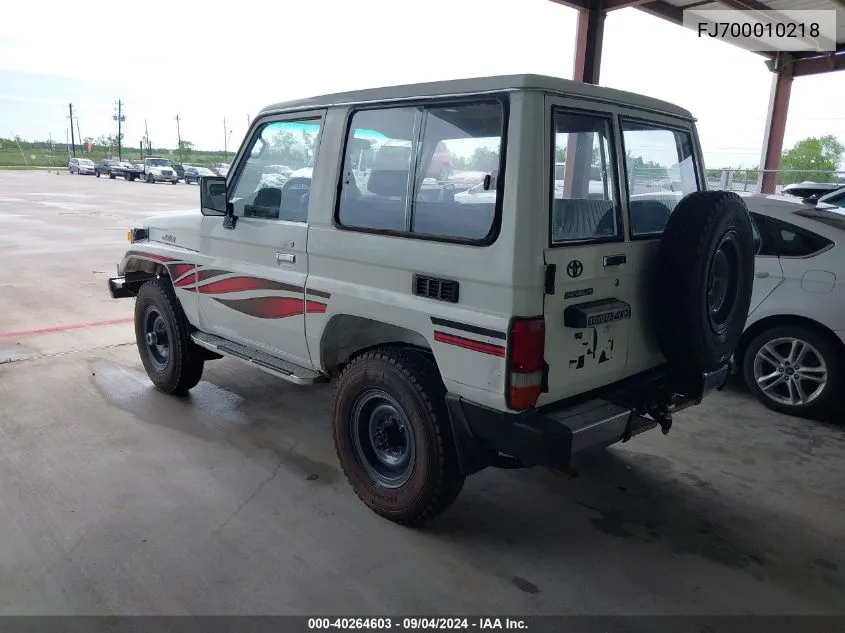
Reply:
x=393, y=436
x=809, y=384
x=705, y=273
x=172, y=361
x=111, y=175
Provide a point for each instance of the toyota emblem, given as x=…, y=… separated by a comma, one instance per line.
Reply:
x=574, y=268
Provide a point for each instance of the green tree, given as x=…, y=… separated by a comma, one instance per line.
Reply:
x=186, y=147
x=813, y=157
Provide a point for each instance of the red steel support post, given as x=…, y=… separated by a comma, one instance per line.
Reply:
x=588, y=43
x=776, y=123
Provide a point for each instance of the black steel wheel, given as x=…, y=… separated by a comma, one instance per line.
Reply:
x=162, y=333
x=393, y=436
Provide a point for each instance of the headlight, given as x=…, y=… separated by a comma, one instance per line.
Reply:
x=137, y=235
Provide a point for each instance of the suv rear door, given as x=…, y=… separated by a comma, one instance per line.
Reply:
x=661, y=166
x=587, y=310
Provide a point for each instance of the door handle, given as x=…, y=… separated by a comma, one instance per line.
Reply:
x=286, y=258
x=761, y=275
x=615, y=260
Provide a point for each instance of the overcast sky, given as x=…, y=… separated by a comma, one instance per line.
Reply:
x=210, y=60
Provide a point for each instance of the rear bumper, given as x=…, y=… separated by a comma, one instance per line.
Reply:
x=554, y=435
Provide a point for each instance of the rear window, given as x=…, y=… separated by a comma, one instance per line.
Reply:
x=661, y=169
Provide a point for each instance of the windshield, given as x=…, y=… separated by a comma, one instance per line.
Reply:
x=159, y=162
x=85, y=161
x=202, y=171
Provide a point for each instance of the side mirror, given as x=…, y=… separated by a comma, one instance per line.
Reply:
x=810, y=200
x=213, y=195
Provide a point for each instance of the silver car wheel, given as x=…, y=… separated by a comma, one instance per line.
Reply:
x=790, y=371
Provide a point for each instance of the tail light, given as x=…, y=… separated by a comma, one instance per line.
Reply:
x=526, y=362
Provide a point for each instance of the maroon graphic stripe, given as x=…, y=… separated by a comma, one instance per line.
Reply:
x=271, y=307
x=238, y=284
x=208, y=273
x=179, y=270
x=470, y=344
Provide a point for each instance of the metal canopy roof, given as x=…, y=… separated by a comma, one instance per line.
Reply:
x=804, y=63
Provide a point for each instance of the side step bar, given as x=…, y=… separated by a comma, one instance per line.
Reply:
x=266, y=362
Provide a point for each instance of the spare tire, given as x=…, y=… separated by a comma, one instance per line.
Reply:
x=705, y=274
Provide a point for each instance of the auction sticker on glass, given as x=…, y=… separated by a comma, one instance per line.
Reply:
x=783, y=30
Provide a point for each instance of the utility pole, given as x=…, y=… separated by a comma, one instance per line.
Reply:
x=147, y=134
x=72, y=140
x=179, y=139
x=141, y=143
x=79, y=134
x=120, y=118
x=225, y=140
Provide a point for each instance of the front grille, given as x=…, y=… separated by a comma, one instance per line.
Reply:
x=166, y=173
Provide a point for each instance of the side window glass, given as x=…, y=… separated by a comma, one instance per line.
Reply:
x=377, y=168
x=584, y=194
x=455, y=193
x=430, y=171
x=274, y=181
x=661, y=170
x=786, y=240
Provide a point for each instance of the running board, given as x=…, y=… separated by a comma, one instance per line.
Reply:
x=272, y=365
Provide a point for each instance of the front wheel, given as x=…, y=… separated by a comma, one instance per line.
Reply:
x=393, y=436
x=794, y=370
x=96, y=173
x=150, y=179
x=162, y=333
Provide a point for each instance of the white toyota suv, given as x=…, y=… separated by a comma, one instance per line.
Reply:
x=539, y=322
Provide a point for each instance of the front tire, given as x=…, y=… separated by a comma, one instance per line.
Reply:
x=794, y=370
x=162, y=333
x=393, y=437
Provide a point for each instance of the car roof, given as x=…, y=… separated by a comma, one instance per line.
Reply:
x=499, y=83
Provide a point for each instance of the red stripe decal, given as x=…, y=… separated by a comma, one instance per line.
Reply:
x=64, y=328
x=467, y=343
x=237, y=284
x=265, y=307
x=315, y=307
x=186, y=281
x=177, y=270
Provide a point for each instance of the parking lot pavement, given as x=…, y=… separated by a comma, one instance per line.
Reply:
x=116, y=499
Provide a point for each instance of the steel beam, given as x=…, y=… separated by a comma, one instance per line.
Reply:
x=776, y=122
x=818, y=65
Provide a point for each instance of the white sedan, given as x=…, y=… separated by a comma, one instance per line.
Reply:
x=792, y=354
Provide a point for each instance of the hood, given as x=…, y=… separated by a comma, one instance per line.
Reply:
x=176, y=229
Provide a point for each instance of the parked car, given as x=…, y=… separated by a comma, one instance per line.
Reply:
x=558, y=332
x=275, y=175
x=114, y=168
x=792, y=353
x=832, y=199
x=82, y=166
x=159, y=170
x=193, y=174
x=180, y=171
x=810, y=190
x=220, y=169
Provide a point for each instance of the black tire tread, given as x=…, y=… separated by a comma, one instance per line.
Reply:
x=680, y=344
x=430, y=389
x=189, y=363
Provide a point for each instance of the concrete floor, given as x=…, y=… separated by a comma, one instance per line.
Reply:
x=116, y=499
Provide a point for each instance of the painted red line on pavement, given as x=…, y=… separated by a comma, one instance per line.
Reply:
x=65, y=328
